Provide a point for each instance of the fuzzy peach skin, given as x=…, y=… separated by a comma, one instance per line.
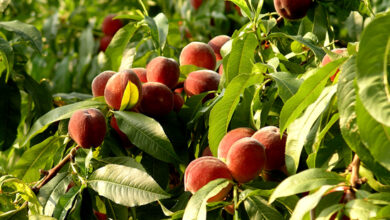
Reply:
x=87, y=127
x=178, y=101
x=141, y=73
x=201, y=81
x=163, y=70
x=216, y=44
x=111, y=26
x=230, y=138
x=104, y=42
x=275, y=146
x=116, y=86
x=157, y=99
x=99, y=83
x=246, y=159
x=199, y=54
x=292, y=9
x=203, y=170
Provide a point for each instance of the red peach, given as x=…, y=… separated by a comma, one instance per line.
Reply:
x=201, y=81
x=110, y=26
x=230, y=138
x=163, y=70
x=269, y=137
x=246, y=159
x=292, y=9
x=104, y=42
x=327, y=60
x=196, y=3
x=87, y=127
x=203, y=170
x=220, y=70
x=157, y=99
x=99, y=83
x=206, y=152
x=178, y=101
x=124, y=139
x=216, y=44
x=116, y=85
x=198, y=54
x=141, y=73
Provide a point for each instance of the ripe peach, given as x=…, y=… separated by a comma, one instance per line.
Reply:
x=163, y=70
x=203, y=170
x=198, y=54
x=99, y=83
x=124, y=139
x=196, y=3
x=201, y=81
x=292, y=9
x=216, y=43
x=157, y=99
x=99, y=215
x=206, y=152
x=230, y=138
x=246, y=159
x=141, y=73
x=104, y=42
x=327, y=60
x=87, y=127
x=178, y=101
x=110, y=26
x=220, y=70
x=116, y=85
x=229, y=209
x=269, y=137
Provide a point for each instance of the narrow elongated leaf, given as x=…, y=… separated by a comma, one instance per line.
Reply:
x=257, y=208
x=243, y=6
x=329, y=211
x=374, y=135
x=36, y=158
x=346, y=97
x=196, y=207
x=125, y=161
x=66, y=202
x=299, y=129
x=58, y=114
x=222, y=112
x=241, y=57
x=125, y=185
x=10, y=102
x=26, y=31
x=309, y=91
x=159, y=29
x=361, y=209
x=50, y=193
x=118, y=44
x=287, y=84
x=147, y=134
x=372, y=69
x=305, y=181
x=7, y=57
x=308, y=203
x=319, y=52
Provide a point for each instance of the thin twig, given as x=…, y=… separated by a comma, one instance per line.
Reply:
x=355, y=181
x=53, y=171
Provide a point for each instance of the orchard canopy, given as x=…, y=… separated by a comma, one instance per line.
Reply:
x=195, y=109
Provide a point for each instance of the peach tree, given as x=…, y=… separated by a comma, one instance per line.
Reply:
x=240, y=109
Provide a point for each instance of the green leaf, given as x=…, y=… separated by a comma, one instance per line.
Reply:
x=147, y=134
x=7, y=55
x=361, y=209
x=319, y=52
x=115, y=211
x=10, y=102
x=125, y=185
x=58, y=114
x=130, y=96
x=36, y=158
x=329, y=211
x=118, y=44
x=159, y=29
x=308, y=203
x=241, y=57
x=65, y=203
x=372, y=69
x=374, y=135
x=257, y=208
x=125, y=161
x=307, y=93
x=196, y=207
x=50, y=193
x=26, y=31
x=299, y=129
x=380, y=198
x=305, y=181
x=244, y=7
x=287, y=84
x=222, y=112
